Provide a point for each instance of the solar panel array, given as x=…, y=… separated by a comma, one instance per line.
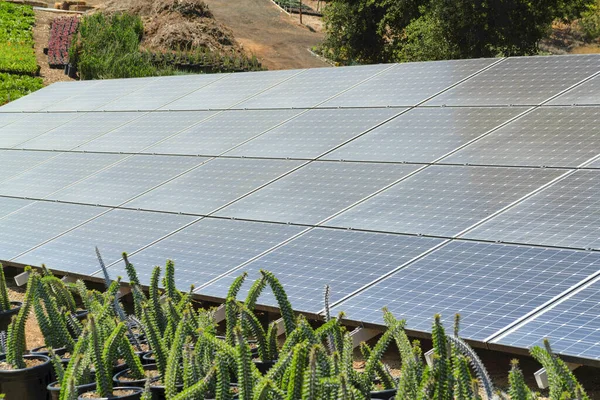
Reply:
x=446, y=187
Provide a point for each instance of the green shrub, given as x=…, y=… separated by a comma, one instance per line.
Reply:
x=16, y=39
x=14, y=86
x=590, y=21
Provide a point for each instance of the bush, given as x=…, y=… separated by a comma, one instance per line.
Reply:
x=14, y=86
x=590, y=21
x=16, y=39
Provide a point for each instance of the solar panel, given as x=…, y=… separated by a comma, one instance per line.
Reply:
x=313, y=86
x=161, y=92
x=113, y=233
x=212, y=185
x=313, y=133
x=50, y=95
x=79, y=131
x=345, y=260
x=444, y=200
x=586, y=93
x=94, y=97
x=15, y=162
x=424, y=134
x=230, y=90
x=9, y=205
x=408, y=84
x=316, y=191
x=564, y=214
x=8, y=118
x=56, y=173
x=521, y=81
x=489, y=285
x=30, y=126
x=127, y=179
x=41, y=221
x=572, y=325
x=222, y=132
x=145, y=131
x=554, y=136
x=207, y=249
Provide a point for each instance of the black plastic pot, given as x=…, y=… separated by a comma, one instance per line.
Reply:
x=6, y=316
x=158, y=392
x=384, y=394
x=81, y=314
x=134, y=396
x=42, y=350
x=148, y=358
x=27, y=383
x=136, y=383
x=81, y=389
x=264, y=366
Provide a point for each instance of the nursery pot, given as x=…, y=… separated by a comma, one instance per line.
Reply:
x=81, y=314
x=6, y=316
x=136, y=395
x=135, y=383
x=27, y=383
x=264, y=366
x=158, y=392
x=148, y=358
x=55, y=390
x=383, y=394
x=43, y=351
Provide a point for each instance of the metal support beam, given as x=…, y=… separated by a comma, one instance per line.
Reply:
x=123, y=291
x=361, y=334
x=219, y=314
x=541, y=376
x=22, y=278
x=280, y=327
x=429, y=358
x=68, y=279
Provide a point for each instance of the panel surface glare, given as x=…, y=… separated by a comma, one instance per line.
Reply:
x=79, y=131
x=521, y=81
x=145, y=131
x=344, y=260
x=553, y=136
x=15, y=162
x=56, y=173
x=161, y=92
x=100, y=94
x=588, y=93
x=489, y=285
x=113, y=233
x=572, y=325
x=127, y=179
x=8, y=118
x=312, y=87
x=408, y=84
x=212, y=185
x=230, y=90
x=316, y=191
x=207, y=249
x=564, y=214
x=41, y=221
x=9, y=205
x=30, y=126
x=222, y=132
x=444, y=200
x=48, y=96
x=313, y=133
x=423, y=134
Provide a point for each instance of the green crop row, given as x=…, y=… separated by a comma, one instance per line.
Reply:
x=14, y=86
x=16, y=39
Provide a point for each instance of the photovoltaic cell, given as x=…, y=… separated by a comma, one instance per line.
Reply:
x=222, y=132
x=521, y=81
x=8, y=118
x=127, y=179
x=48, y=96
x=212, y=185
x=313, y=133
x=113, y=233
x=230, y=90
x=100, y=94
x=15, y=162
x=566, y=213
x=312, y=87
x=9, y=205
x=553, y=136
x=41, y=221
x=30, y=126
x=207, y=249
x=489, y=285
x=586, y=93
x=344, y=260
x=572, y=325
x=444, y=200
x=56, y=173
x=424, y=134
x=316, y=191
x=145, y=131
x=160, y=92
x=79, y=131
x=408, y=84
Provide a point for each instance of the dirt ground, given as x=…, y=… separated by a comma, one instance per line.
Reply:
x=568, y=39
x=278, y=40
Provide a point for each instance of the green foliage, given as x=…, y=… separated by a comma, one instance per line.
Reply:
x=4, y=301
x=15, y=343
x=590, y=20
x=518, y=389
x=16, y=39
x=13, y=86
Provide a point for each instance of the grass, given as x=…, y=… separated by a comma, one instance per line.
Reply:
x=16, y=39
x=14, y=86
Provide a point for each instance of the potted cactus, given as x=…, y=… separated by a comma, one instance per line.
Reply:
x=7, y=308
x=23, y=376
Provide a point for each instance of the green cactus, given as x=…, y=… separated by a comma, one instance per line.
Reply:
x=518, y=389
x=441, y=365
x=171, y=289
x=4, y=301
x=244, y=365
x=198, y=390
x=53, y=323
x=297, y=368
x=287, y=313
x=173, y=373
x=15, y=342
x=154, y=294
x=155, y=339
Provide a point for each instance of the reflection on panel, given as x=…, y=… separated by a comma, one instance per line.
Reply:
x=30, y=126
x=15, y=162
x=48, y=96
x=586, y=93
